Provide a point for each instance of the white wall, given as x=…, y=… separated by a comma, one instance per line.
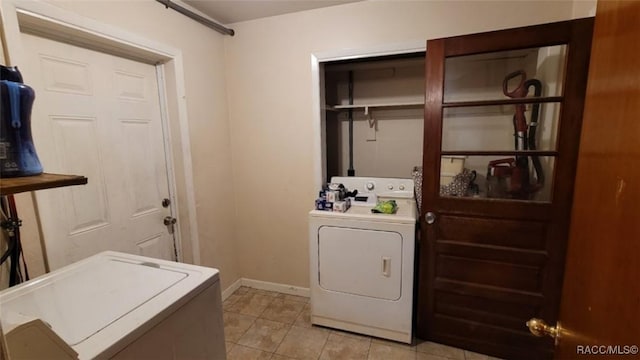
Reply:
x=584, y=8
x=204, y=70
x=270, y=107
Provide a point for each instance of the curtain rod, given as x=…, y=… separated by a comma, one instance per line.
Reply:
x=204, y=21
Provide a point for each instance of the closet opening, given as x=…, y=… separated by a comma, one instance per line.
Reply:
x=373, y=115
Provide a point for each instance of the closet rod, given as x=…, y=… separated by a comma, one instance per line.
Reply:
x=202, y=20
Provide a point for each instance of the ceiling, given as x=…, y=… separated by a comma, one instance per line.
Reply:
x=231, y=11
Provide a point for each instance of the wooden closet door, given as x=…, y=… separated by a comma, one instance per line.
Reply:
x=490, y=261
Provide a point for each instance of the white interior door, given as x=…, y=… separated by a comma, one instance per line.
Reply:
x=98, y=115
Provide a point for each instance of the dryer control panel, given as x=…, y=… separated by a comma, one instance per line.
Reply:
x=372, y=188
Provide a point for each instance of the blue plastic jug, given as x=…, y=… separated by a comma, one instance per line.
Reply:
x=17, y=152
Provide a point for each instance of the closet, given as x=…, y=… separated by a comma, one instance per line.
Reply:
x=376, y=104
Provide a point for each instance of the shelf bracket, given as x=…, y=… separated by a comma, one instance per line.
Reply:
x=373, y=125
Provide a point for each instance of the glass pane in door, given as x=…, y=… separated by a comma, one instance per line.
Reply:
x=493, y=128
x=526, y=178
x=482, y=76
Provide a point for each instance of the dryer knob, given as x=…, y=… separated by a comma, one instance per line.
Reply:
x=390, y=186
x=401, y=187
x=370, y=186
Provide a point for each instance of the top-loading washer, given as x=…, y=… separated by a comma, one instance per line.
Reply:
x=362, y=264
x=117, y=306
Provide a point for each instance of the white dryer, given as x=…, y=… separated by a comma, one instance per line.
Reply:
x=362, y=264
x=116, y=306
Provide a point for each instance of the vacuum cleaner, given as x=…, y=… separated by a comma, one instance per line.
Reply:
x=510, y=177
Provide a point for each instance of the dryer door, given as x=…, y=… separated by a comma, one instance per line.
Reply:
x=360, y=261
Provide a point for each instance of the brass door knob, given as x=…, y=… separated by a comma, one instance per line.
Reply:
x=540, y=328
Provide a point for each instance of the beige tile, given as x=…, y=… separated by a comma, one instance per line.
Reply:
x=263, y=292
x=340, y=347
x=304, y=318
x=303, y=343
x=240, y=352
x=235, y=325
x=228, y=346
x=242, y=290
x=251, y=338
x=351, y=335
x=264, y=335
x=280, y=357
x=302, y=299
x=232, y=299
x=282, y=310
x=379, y=351
x=395, y=344
x=441, y=350
x=251, y=304
x=425, y=356
x=470, y=355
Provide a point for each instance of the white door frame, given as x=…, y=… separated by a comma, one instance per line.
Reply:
x=48, y=19
x=317, y=95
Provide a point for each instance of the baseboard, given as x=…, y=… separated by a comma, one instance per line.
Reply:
x=266, y=285
x=230, y=290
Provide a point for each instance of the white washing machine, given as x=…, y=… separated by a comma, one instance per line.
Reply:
x=362, y=264
x=116, y=306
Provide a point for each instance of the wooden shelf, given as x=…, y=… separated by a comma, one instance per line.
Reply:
x=15, y=185
x=366, y=107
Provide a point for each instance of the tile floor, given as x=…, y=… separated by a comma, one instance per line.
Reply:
x=261, y=324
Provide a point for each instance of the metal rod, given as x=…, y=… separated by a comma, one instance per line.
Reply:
x=5, y=47
x=202, y=20
x=351, y=171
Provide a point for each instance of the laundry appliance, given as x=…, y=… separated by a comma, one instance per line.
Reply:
x=362, y=263
x=116, y=306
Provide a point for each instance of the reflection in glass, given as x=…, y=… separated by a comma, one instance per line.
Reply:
x=492, y=128
x=497, y=177
x=482, y=76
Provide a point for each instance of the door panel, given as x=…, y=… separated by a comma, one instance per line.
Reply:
x=75, y=139
x=98, y=115
x=489, y=273
x=495, y=256
x=493, y=233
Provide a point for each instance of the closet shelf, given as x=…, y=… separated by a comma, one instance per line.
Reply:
x=15, y=185
x=365, y=107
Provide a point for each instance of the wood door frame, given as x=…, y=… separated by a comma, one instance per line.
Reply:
x=60, y=24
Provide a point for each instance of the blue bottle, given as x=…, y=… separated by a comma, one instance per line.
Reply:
x=17, y=153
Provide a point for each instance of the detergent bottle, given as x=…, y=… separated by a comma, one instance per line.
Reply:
x=17, y=153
